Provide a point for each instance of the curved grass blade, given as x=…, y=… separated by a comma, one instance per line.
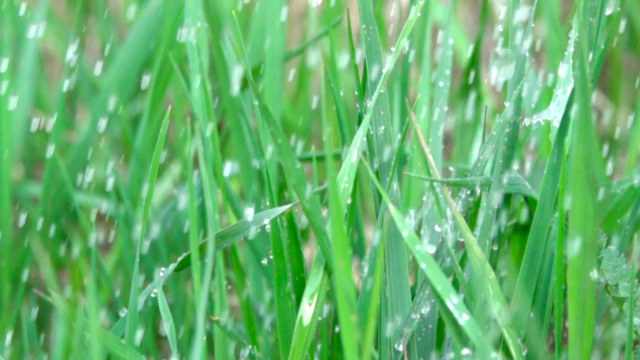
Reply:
x=313, y=299
x=167, y=322
x=538, y=243
x=512, y=183
x=236, y=231
x=563, y=89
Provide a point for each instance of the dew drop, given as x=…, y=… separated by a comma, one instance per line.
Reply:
x=144, y=82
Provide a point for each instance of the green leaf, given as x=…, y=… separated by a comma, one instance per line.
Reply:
x=132, y=310
x=511, y=183
x=231, y=234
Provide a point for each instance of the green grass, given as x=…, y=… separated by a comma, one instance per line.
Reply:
x=319, y=180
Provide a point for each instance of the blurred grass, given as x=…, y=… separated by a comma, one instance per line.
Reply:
x=337, y=179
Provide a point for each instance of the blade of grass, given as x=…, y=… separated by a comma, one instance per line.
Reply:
x=272, y=138
x=242, y=228
x=398, y=297
x=560, y=267
x=167, y=322
x=312, y=302
x=132, y=310
x=537, y=243
x=513, y=183
x=582, y=240
x=344, y=289
x=631, y=307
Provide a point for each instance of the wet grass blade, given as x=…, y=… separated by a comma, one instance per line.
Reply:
x=132, y=310
x=167, y=322
x=512, y=183
x=538, y=240
x=313, y=300
x=583, y=238
x=241, y=229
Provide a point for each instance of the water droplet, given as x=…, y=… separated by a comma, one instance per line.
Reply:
x=237, y=73
x=97, y=69
x=13, y=103
x=138, y=336
x=109, y=184
x=431, y=249
x=22, y=219
x=4, y=64
x=611, y=7
x=144, y=82
x=249, y=212
x=131, y=12
x=36, y=31
x=185, y=34
x=292, y=74
x=621, y=27
x=50, y=149
x=102, y=124
x=399, y=346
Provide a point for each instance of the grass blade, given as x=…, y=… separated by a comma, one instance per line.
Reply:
x=132, y=310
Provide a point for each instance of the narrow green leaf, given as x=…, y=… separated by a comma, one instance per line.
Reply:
x=583, y=238
x=511, y=183
x=537, y=243
x=167, y=322
x=132, y=310
x=312, y=302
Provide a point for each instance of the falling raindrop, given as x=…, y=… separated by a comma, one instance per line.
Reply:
x=22, y=219
x=97, y=69
x=144, y=82
x=4, y=64
x=50, y=149
x=102, y=124
x=13, y=103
